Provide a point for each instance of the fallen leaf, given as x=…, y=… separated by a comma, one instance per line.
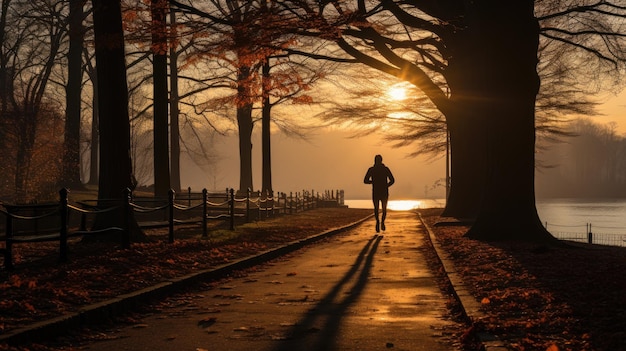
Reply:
x=207, y=322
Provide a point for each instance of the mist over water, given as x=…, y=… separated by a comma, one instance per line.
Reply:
x=604, y=215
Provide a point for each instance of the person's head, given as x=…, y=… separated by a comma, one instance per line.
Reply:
x=378, y=159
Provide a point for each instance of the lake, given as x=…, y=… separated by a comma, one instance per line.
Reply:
x=565, y=218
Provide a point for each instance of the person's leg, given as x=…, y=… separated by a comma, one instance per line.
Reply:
x=376, y=206
x=384, y=210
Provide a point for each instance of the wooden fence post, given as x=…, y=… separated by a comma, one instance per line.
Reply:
x=63, y=231
x=204, y=212
x=170, y=202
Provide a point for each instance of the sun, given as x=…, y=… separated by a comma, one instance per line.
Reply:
x=397, y=93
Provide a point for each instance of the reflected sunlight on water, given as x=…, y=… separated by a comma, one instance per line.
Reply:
x=399, y=205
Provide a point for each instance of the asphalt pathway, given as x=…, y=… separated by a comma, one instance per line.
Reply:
x=357, y=290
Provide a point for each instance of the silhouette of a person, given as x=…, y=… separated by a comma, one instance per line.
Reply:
x=381, y=179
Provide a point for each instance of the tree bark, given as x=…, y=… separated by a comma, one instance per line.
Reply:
x=174, y=112
x=467, y=162
x=266, y=141
x=245, y=125
x=160, y=98
x=71, y=144
x=506, y=37
x=116, y=172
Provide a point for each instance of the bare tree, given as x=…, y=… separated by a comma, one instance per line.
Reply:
x=159, y=9
x=32, y=39
x=71, y=145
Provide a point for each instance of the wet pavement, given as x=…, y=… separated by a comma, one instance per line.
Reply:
x=357, y=290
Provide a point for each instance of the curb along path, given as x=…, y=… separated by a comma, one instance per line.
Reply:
x=471, y=307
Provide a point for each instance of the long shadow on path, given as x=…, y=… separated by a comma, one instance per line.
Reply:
x=332, y=307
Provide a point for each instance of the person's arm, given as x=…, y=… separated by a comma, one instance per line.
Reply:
x=368, y=177
x=391, y=178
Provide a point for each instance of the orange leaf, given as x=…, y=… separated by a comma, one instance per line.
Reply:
x=485, y=301
x=29, y=307
x=552, y=347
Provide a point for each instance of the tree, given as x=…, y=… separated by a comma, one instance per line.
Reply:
x=71, y=145
x=174, y=109
x=27, y=61
x=158, y=28
x=116, y=173
x=266, y=116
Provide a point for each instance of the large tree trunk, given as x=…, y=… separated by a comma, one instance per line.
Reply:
x=71, y=144
x=245, y=125
x=174, y=111
x=159, y=75
x=506, y=37
x=266, y=133
x=467, y=161
x=468, y=144
x=115, y=161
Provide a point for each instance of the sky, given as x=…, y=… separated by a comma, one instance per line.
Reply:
x=613, y=109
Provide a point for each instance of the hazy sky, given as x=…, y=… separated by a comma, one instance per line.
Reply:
x=614, y=110
x=328, y=160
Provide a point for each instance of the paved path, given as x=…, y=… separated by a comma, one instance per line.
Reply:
x=355, y=291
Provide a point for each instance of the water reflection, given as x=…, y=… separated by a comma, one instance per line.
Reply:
x=399, y=205
x=609, y=215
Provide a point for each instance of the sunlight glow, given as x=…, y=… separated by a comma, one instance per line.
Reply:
x=397, y=93
x=403, y=205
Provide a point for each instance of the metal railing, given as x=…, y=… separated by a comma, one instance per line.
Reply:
x=51, y=221
x=586, y=233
